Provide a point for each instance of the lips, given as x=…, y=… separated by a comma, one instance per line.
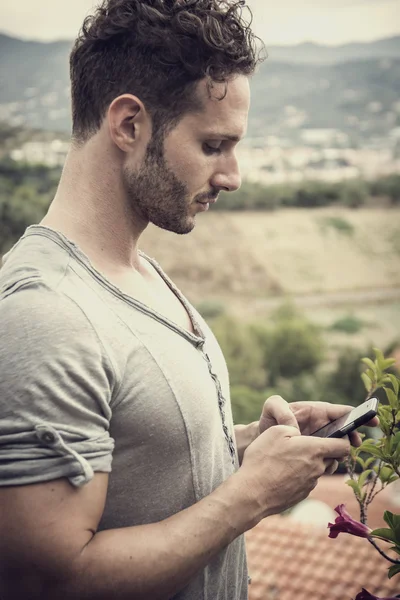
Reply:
x=211, y=201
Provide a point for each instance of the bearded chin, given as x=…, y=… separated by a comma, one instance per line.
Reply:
x=155, y=195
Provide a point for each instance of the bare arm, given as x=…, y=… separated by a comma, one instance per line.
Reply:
x=48, y=533
x=49, y=546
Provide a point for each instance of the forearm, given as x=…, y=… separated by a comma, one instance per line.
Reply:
x=158, y=560
x=245, y=435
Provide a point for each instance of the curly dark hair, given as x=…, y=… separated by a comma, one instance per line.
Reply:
x=157, y=50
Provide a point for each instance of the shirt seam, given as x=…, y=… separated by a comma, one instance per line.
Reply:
x=117, y=380
x=74, y=251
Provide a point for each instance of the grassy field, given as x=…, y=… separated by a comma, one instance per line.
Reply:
x=293, y=251
x=334, y=263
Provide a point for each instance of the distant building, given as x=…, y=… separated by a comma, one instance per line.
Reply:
x=324, y=137
x=52, y=153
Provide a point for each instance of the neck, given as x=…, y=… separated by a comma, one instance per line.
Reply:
x=91, y=209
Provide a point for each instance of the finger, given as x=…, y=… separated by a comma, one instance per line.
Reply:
x=333, y=447
x=284, y=430
x=276, y=411
x=335, y=411
x=331, y=466
x=355, y=439
x=373, y=422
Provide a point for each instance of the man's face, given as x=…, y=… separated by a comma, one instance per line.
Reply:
x=195, y=162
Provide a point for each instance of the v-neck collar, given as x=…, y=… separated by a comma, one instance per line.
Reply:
x=197, y=338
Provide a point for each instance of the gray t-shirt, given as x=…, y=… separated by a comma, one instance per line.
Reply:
x=93, y=380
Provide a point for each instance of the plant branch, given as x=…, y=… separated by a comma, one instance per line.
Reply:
x=370, y=493
x=377, y=492
x=395, y=561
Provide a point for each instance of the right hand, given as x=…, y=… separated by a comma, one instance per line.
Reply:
x=281, y=467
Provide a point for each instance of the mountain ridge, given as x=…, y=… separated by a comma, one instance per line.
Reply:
x=316, y=53
x=312, y=52
x=357, y=93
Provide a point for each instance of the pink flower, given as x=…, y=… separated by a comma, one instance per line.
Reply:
x=364, y=595
x=344, y=523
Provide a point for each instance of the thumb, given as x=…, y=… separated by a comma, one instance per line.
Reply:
x=276, y=411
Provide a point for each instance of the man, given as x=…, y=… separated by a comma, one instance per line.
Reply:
x=103, y=360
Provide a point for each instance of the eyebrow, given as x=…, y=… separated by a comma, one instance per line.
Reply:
x=225, y=136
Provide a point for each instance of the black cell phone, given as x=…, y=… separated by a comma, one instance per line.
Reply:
x=353, y=419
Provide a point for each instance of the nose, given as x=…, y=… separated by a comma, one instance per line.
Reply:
x=227, y=176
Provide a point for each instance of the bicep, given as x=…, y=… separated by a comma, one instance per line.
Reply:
x=44, y=528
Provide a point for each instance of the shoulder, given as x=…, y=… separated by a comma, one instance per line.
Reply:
x=40, y=325
x=34, y=304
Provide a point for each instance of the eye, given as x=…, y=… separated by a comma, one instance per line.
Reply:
x=208, y=149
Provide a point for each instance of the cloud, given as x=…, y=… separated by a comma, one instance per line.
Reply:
x=285, y=22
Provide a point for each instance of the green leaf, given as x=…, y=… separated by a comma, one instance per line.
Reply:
x=367, y=382
x=385, y=410
x=363, y=477
x=360, y=461
x=384, y=534
x=385, y=474
x=393, y=521
x=379, y=356
x=373, y=450
x=395, y=383
x=369, y=363
x=369, y=461
x=366, y=443
x=393, y=571
x=388, y=362
x=391, y=396
x=371, y=374
x=355, y=486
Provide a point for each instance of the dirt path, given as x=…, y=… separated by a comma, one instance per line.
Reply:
x=337, y=299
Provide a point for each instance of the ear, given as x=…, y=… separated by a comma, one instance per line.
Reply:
x=128, y=122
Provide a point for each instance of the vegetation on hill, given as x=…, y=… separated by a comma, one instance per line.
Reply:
x=286, y=356
x=351, y=193
x=26, y=191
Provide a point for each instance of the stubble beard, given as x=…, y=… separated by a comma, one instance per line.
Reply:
x=156, y=193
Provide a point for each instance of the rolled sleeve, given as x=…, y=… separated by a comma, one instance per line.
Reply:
x=56, y=383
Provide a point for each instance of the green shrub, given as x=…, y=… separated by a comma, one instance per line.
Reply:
x=295, y=346
x=354, y=193
x=343, y=384
x=290, y=344
x=243, y=354
x=210, y=309
x=349, y=324
x=246, y=404
x=389, y=186
x=339, y=224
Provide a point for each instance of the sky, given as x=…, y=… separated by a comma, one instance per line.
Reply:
x=330, y=22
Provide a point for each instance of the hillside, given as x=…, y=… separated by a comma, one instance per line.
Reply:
x=332, y=263
x=353, y=88
x=311, y=53
x=250, y=256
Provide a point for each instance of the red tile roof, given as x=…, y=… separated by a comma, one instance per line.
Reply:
x=289, y=560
